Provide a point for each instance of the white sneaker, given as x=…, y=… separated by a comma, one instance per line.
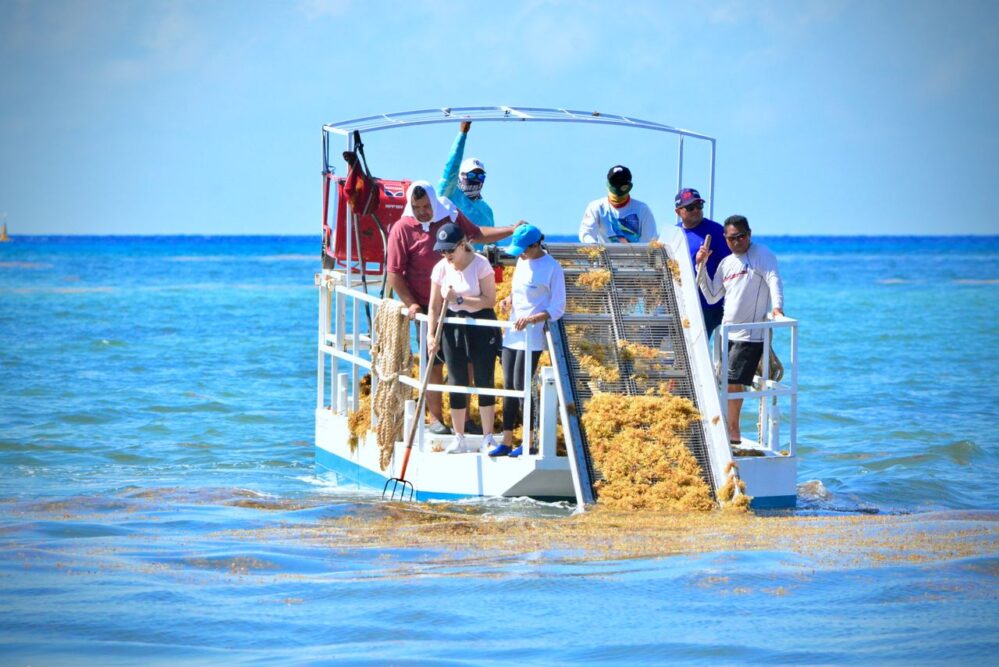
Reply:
x=456, y=446
x=488, y=442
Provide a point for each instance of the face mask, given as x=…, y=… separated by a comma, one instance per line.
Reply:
x=472, y=189
x=619, y=191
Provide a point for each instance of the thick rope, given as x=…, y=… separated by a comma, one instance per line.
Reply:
x=390, y=356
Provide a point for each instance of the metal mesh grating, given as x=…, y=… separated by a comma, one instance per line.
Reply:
x=637, y=305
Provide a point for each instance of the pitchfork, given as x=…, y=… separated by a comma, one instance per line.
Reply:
x=400, y=484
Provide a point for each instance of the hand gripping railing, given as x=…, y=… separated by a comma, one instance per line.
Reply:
x=335, y=342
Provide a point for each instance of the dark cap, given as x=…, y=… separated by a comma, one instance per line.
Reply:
x=619, y=175
x=448, y=236
x=687, y=196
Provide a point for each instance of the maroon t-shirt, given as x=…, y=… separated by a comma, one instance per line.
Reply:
x=411, y=251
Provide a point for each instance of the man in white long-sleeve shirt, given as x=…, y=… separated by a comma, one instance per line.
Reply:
x=618, y=218
x=750, y=283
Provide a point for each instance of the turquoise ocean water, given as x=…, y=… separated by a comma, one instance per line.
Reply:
x=156, y=421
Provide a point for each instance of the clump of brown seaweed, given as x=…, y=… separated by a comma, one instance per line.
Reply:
x=637, y=444
x=595, y=280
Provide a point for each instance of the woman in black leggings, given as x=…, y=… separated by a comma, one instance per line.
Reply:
x=537, y=294
x=467, y=282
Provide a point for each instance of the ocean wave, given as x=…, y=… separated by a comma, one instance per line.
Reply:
x=244, y=258
x=972, y=281
x=852, y=258
x=101, y=289
x=25, y=265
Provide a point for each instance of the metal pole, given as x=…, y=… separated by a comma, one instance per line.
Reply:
x=679, y=169
x=763, y=428
x=321, y=374
x=792, y=447
x=422, y=331
x=723, y=329
x=711, y=183
x=527, y=389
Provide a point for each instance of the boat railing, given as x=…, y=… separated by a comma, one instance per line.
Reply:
x=350, y=346
x=767, y=390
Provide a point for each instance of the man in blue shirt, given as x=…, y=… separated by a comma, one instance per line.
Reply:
x=690, y=209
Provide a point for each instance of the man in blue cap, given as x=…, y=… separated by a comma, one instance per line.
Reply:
x=690, y=209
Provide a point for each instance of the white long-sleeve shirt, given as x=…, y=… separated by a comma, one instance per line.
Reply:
x=602, y=223
x=538, y=285
x=751, y=286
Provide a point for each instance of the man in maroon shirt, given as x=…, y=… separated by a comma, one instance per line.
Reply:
x=411, y=258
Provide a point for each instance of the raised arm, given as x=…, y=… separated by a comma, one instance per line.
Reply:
x=448, y=184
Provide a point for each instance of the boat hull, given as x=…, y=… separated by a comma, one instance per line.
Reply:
x=434, y=474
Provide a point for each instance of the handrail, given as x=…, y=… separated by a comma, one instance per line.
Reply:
x=498, y=114
x=331, y=286
x=771, y=388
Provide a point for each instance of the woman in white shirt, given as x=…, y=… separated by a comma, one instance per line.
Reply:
x=537, y=294
x=467, y=282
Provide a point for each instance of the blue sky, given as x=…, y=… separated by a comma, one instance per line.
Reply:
x=833, y=117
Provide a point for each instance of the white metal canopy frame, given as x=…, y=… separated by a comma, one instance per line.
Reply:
x=402, y=119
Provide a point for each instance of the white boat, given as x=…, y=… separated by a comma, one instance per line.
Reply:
x=349, y=285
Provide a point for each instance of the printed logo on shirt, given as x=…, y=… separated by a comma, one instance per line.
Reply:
x=744, y=272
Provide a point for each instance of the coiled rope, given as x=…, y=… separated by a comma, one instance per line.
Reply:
x=390, y=357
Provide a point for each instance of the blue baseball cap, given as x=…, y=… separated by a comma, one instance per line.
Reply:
x=523, y=236
x=687, y=196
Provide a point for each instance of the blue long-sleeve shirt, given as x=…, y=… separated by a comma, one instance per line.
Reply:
x=476, y=210
x=719, y=251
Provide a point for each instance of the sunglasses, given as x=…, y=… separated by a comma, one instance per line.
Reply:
x=736, y=237
x=693, y=207
x=475, y=176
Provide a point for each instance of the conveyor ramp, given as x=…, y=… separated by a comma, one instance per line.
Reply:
x=640, y=303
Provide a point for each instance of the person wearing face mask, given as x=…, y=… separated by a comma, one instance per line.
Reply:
x=410, y=259
x=462, y=182
x=618, y=218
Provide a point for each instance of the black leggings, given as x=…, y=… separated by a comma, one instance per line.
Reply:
x=513, y=378
x=462, y=344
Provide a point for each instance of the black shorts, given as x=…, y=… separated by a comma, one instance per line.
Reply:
x=743, y=359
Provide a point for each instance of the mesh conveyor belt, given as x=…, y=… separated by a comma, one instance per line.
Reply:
x=638, y=305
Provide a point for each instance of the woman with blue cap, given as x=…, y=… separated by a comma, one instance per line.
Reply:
x=537, y=294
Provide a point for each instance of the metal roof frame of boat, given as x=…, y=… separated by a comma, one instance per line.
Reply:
x=402, y=119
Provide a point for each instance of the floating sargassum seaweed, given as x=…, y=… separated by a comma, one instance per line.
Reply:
x=637, y=444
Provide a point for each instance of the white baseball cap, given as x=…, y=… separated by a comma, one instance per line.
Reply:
x=471, y=164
